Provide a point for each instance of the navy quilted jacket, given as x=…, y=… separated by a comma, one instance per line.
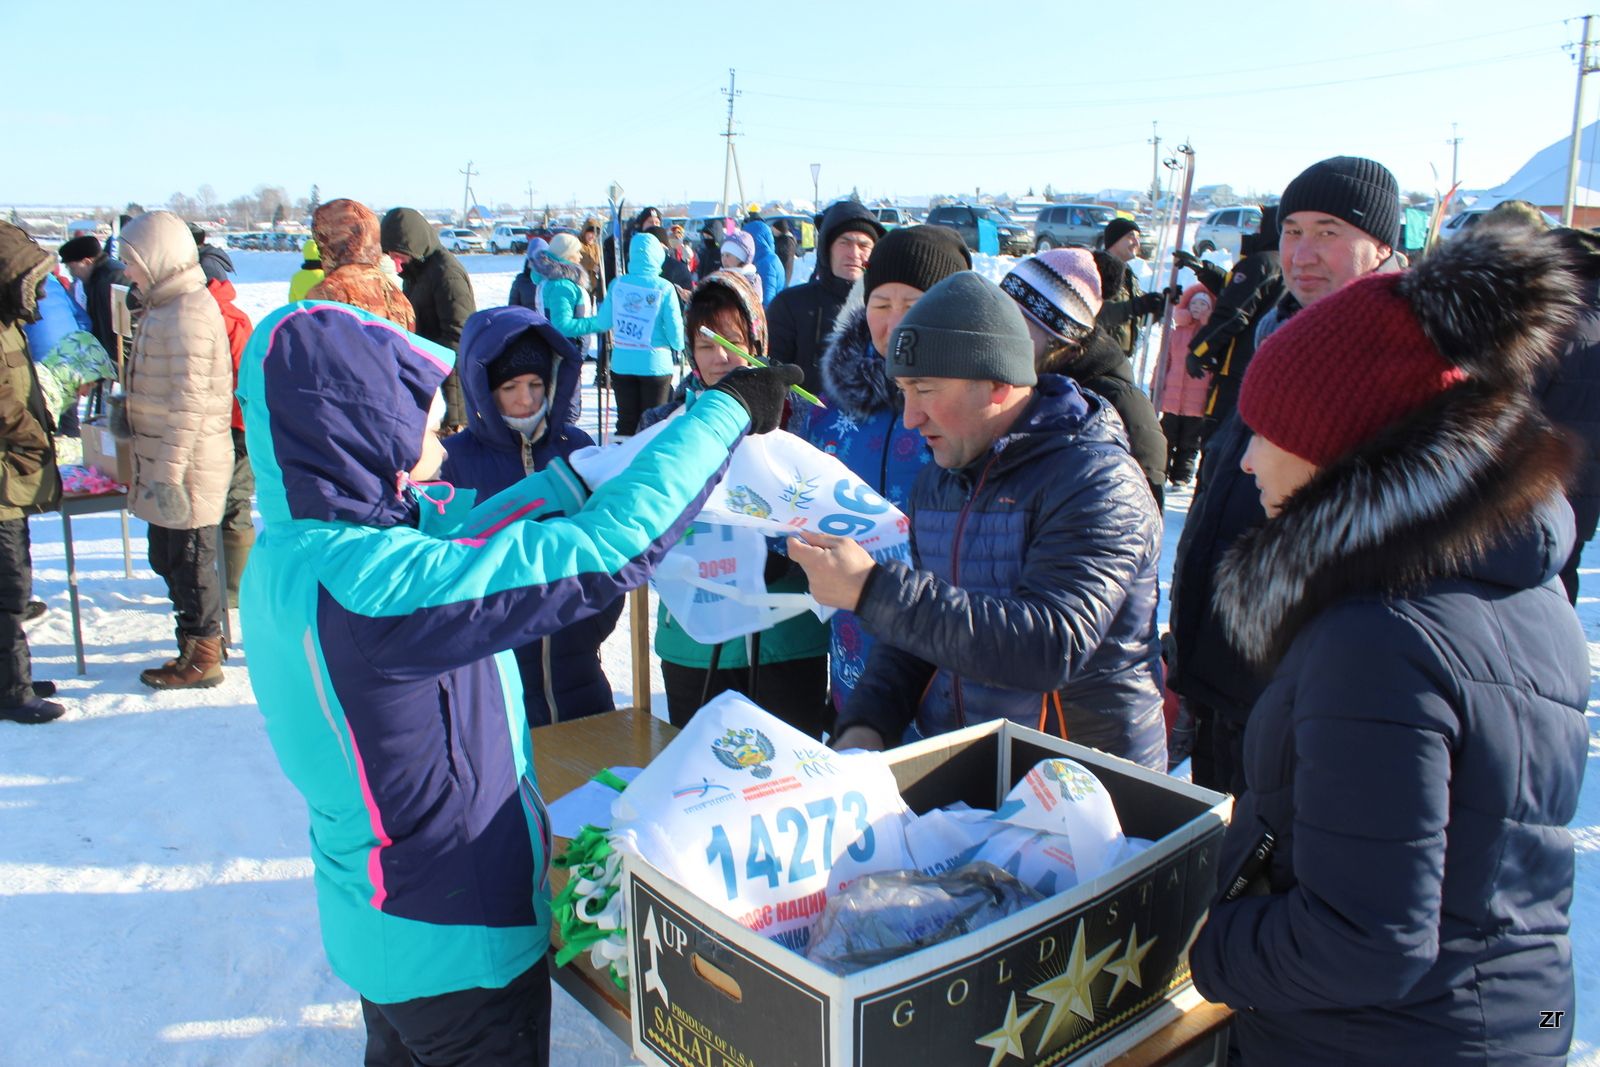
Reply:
x=1036, y=574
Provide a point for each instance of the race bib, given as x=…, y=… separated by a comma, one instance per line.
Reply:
x=634, y=309
x=761, y=821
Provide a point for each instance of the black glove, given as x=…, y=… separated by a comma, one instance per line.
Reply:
x=1199, y=366
x=1187, y=259
x=762, y=391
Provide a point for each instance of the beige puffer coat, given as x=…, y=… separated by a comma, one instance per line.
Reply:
x=179, y=380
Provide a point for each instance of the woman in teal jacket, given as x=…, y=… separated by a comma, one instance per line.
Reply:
x=378, y=618
x=791, y=676
x=641, y=310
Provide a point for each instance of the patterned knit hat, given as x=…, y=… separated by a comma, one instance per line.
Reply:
x=918, y=256
x=1489, y=307
x=1359, y=191
x=1059, y=290
x=740, y=245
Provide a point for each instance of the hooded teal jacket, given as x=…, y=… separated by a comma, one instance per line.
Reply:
x=640, y=286
x=378, y=637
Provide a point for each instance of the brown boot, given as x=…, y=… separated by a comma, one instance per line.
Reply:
x=236, y=545
x=199, y=667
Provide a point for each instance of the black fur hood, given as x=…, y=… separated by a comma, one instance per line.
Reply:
x=1444, y=491
x=855, y=377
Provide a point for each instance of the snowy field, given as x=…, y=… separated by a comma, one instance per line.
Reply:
x=156, y=904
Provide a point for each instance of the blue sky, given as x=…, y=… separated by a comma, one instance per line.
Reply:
x=386, y=102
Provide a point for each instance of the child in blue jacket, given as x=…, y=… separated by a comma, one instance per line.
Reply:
x=378, y=617
x=521, y=381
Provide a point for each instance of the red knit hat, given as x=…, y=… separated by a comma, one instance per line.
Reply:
x=1341, y=370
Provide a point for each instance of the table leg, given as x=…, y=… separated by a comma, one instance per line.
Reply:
x=72, y=592
x=127, y=547
x=222, y=580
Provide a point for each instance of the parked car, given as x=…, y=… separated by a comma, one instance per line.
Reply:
x=1015, y=240
x=1071, y=225
x=459, y=239
x=508, y=239
x=1462, y=221
x=893, y=217
x=1223, y=228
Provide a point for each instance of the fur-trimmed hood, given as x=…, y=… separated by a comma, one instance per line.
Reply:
x=854, y=375
x=1446, y=492
x=554, y=268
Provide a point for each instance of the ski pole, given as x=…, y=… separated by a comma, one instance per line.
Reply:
x=710, y=334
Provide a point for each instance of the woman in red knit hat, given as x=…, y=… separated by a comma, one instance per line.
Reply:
x=1397, y=876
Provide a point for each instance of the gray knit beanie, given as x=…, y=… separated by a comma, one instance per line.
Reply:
x=964, y=327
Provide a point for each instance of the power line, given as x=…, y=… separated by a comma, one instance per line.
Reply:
x=1187, y=97
x=1013, y=86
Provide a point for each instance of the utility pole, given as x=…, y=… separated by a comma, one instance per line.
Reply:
x=1455, y=154
x=530, y=203
x=466, y=189
x=1577, y=127
x=730, y=159
x=816, y=197
x=1155, y=164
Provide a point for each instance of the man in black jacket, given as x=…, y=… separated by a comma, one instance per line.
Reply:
x=1032, y=585
x=1224, y=345
x=1124, y=301
x=97, y=272
x=800, y=318
x=438, y=288
x=1339, y=220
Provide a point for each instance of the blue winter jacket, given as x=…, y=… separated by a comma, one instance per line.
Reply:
x=766, y=262
x=562, y=677
x=861, y=426
x=640, y=289
x=373, y=642
x=1034, y=579
x=1417, y=754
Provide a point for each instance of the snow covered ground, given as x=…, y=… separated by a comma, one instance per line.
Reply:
x=156, y=904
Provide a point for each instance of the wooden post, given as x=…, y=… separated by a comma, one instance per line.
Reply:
x=639, y=625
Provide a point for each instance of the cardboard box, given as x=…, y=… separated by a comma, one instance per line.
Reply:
x=103, y=452
x=1080, y=977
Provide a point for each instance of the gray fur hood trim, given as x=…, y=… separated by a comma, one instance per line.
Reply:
x=548, y=266
x=1424, y=500
x=854, y=376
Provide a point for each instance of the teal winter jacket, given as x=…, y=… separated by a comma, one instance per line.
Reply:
x=378, y=633
x=640, y=300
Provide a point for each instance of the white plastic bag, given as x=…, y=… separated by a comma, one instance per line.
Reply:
x=1062, y=796
x=776, y=484
x=753, y=817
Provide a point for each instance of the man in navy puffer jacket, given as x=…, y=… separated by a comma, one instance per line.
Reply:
x=1036, y=543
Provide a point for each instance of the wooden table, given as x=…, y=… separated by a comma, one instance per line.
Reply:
x=568, y=754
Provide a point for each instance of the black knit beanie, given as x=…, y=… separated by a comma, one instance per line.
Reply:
x=85, y=247
x=918, y=256
x=963, y=327
x=1117, y=229
x=524, y=355
x=1359, y=191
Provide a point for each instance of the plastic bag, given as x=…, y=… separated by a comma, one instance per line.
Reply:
x=881, y=917
x=776, y=484
x=753, y=817
x=1063, y=797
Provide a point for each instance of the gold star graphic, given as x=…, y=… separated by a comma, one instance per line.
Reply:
x=1069, y=990
x=1127, y=968
x=1007, y=1041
